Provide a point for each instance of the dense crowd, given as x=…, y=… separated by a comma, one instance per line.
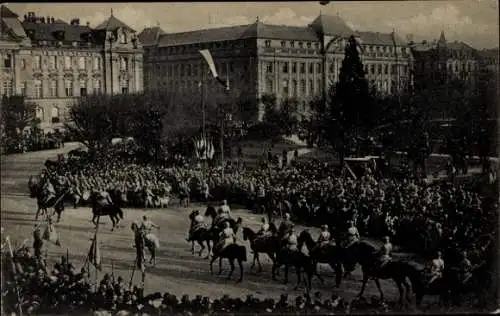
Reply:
x=32, y=140
x=423, y=217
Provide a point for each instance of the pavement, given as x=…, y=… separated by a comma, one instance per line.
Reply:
x=177, y=270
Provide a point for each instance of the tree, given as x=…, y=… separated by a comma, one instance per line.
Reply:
x=16, y=115
x=278, y=121
x=349, y=102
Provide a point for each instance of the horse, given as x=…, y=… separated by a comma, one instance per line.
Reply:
x=267, y=245
x=210, y=211
x=231, y=252
x=142, y=240
x=114, y=212
x=43, y=204
x=366, y=255
x=201, y=235
x=299, y=260
x=329, y=254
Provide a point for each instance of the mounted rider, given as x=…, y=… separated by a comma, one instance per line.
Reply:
x=435, y=269
x=286, y=228
x=146, y=226
x=385, y=253
x=198, y=222
x=227, y=237
x=464, y=268
x=291, y=241
x=323, y=239
x=103, y=197
x=49, y=190
x=264, y=231
x=352, y=235
x=223, y=213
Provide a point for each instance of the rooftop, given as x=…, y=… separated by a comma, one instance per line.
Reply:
x=112, y=24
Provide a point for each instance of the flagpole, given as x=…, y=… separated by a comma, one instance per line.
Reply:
x=203, y=95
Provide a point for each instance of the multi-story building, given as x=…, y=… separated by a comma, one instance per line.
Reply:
x=52, y=62
x=259, y=58
x=438, y=61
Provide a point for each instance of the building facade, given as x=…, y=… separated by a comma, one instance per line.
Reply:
x=439, y=61
x=52, y=62
x=259, y=58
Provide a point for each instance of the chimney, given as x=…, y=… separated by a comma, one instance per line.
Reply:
x=48, y=19
x=73, y=22
x=52, y=20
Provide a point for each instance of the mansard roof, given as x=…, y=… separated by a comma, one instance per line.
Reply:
x=150, y=35
x=376, y=38
x=112, y=24
x=47, y=31
x=331, y=25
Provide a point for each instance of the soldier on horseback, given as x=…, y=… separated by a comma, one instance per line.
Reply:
x=49, y=190
x=464, y=268
x=221, y=216
x=103, y=197
x=352, y=235
x=227, y=237
x=197, y=223
x=286, y=227
x=291, y=241
x=435, y=269
x=147, y=226
x=385, y=253
x=264, y=229
x=323, y=239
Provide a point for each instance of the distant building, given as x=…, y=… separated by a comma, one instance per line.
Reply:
x=440, y=60
x=259, y=58
x=53, y=62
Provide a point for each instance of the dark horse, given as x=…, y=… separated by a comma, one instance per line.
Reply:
x=231, y=252
x=366, y=255
x=114, y=212
x=37, y=191
x=268, y=245
x=330, y=254
x=296, y=258
x=202, y=236
x=215, y=230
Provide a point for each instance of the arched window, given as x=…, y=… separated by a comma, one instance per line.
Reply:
x=55, y=114
x=123, y=37
x=124, y=63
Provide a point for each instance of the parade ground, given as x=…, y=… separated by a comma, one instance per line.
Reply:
x=177, y=271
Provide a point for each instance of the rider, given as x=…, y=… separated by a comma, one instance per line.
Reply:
x=264, y=229
x=48, y=188
x=435, y=269
x=205, y=189
x=103, y=197
x=227, y=237
x=220, y=217
x=324, y=237
x=352, y=234
x=385, y=252
x=197, y=223
x=286, y=227
x=465, y=267
x=147, y=225
x=225, y=208
x=292, y=240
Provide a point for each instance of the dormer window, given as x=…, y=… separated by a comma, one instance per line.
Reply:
x=123, y=38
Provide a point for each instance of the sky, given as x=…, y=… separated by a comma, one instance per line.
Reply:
x=474, y=22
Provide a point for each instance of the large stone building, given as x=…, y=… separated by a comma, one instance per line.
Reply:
x=439, y=61
x=52, y=62
x=259, y=58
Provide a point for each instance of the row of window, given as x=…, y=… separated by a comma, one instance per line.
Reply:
x=293, y=88
x=66, y=61
x=188, y=70
x=291, y=44
x=53, y=89
x=286, y=65
x=193, y=48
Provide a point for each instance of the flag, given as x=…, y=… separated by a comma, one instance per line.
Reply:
x=210, y=61
x=95, y=254
x=203, y=148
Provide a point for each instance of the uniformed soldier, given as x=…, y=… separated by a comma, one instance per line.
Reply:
x=436, y=268
x=465, y=267
x=385, y=252
x=147, y=225
x=292, y=240
x=324, y=237
x=352, y=234
x=286, y=227
x=198, y=222
x=227, y=237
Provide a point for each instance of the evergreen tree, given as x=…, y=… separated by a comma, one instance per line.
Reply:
x=349, y=102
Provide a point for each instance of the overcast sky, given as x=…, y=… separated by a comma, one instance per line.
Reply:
x=472, y=21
